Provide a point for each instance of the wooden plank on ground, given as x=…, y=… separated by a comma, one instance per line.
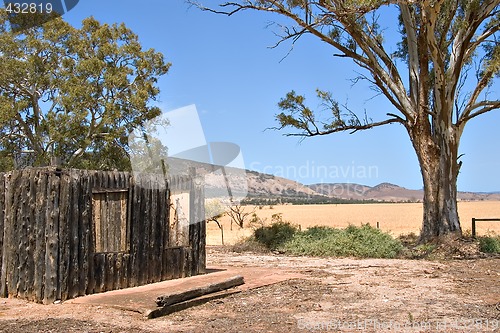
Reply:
x=166, y=310
x=176, y=297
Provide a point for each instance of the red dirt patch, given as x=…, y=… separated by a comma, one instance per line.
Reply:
x=333, y=295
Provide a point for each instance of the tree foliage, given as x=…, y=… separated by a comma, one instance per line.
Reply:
x=74, y=93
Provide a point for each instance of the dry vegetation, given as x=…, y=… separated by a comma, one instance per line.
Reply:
x=395, y=218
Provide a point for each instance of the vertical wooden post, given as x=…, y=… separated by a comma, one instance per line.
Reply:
x=110, y=270
x=40, y=222
x=22, y=222
x=163, y=225
x=145, y=276
x=136, y=230
x=73, y=235
x=12, y=235
x=84, y=232
x=474, y=227
x=30, y=275
x=7, y=236
x=153, y=247
x=52, y=240
x=117, y=283
x=222, y=233
x=64, y=237
x=2, y=224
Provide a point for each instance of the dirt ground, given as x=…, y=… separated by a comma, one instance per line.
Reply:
x=346, y=295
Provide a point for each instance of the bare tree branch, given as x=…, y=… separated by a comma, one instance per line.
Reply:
x=239, y=214
x=310, y=132
x=480, y=108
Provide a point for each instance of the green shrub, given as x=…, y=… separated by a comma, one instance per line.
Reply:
x=364, y=242
x=275, y=235
x=318, y=232
x=489, y=244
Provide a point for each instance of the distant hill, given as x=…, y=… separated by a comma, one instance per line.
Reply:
x=387, y=192
x=260, y=185
x=381, y=192
x=269, y=187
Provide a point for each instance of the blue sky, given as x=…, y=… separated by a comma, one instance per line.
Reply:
x=225, y=67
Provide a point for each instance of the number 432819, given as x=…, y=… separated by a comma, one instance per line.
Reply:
x=28, y=8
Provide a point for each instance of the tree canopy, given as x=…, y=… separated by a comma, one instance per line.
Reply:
x=74, y=93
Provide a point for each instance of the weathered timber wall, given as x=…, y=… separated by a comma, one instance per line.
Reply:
x=51, y=221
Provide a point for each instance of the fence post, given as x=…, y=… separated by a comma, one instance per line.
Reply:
x=474, y=227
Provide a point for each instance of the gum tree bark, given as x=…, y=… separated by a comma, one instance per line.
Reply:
x=437, y=155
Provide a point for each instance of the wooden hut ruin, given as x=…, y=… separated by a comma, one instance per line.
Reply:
x=69, y=233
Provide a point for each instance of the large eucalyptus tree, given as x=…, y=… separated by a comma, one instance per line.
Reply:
x=449, y=59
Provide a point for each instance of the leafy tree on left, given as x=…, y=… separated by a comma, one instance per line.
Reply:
x=73, y=93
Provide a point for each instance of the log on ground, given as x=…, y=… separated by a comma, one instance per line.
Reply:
x=177, y=297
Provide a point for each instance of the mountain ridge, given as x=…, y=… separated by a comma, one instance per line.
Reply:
x=267, y=186
x=383, y=192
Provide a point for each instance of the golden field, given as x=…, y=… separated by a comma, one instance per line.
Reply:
x=395, y=218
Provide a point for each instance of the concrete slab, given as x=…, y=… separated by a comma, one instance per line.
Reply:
x=142, y=299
